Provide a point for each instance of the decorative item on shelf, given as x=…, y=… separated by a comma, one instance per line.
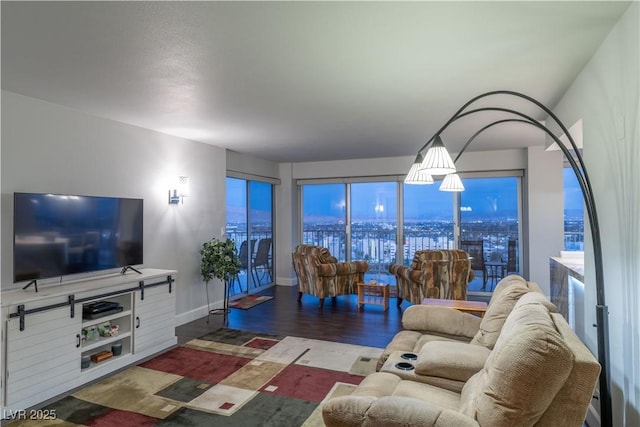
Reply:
x=220, y=260
x=114, y=330
x=90, y=333
x=85, y=362
x=104, y=329
x=101, y=356
x=116, y=349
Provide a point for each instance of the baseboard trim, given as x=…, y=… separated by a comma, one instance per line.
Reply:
x=196, y=313
x=286, y=281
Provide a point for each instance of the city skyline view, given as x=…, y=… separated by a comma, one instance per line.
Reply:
x=329, y=202
x=488, y=213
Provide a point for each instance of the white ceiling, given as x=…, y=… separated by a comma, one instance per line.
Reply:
x=301, y=81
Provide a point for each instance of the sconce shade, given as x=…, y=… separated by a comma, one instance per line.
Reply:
x=438, y=161
x=183, y=186
x=179, y=190
x=416, y=175
x=452, y=182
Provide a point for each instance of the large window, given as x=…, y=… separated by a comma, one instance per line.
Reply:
x=250, y=226
x=384, y=222
x=428, y=220
x=490, y=228
x=374, y=216
x=573, y=212
x=324, y=213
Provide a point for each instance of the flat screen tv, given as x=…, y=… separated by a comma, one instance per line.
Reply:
x=56, y=235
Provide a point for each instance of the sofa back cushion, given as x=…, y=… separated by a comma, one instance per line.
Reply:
x=505, y=296
x=528, y=366
x=572, y=401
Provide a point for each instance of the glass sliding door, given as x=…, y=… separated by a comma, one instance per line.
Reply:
x=324, y=213
x=237, y=229
x=261, y=233
x=427, y=220
x=490, y=228
x=374, y=224
x=250, y=226
x=386, y=222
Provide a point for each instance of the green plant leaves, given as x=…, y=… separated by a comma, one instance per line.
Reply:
x=219, y=260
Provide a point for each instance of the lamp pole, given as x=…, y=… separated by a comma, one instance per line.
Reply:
x=579, y=168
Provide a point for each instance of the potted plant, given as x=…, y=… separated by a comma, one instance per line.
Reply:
x=220, y=260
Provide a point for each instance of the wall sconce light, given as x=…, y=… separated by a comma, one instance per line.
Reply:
x=179, y=190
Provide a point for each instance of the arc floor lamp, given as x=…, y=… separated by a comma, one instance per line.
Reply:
x=437, y=161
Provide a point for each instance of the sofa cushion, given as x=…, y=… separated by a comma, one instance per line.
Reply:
x=527, y=367
x=505, y=296
x=440, y=320
x=428, y=393
x=451, y=359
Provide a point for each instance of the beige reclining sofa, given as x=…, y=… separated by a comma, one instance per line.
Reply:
x=537, y=374
x=423, y=324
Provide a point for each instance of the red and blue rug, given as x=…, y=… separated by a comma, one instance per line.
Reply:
x=226, y=378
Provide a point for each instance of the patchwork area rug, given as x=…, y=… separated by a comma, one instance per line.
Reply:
x=249, y=301
x=227, y=378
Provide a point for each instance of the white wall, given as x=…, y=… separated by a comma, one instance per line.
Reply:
x=243, y=163
x=545, y=212
x=287, y=225
x=606, y=95
x=49, y=148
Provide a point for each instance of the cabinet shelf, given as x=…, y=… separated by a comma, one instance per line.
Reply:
x=95, y=366
x=92, y=322
x=104, y=341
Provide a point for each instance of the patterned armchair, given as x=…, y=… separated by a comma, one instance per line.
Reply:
x=441, y=274
x=320, y=274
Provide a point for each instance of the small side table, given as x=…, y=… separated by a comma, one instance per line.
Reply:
x=377, y=294
x=478, y=307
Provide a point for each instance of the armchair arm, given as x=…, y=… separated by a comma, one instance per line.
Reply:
x=407, y=273
x=347, y=411
x=340, y=268
x=443, y=321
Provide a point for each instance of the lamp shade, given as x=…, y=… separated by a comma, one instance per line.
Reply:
x=452, y=182
x=437, y=160
x=417, y=176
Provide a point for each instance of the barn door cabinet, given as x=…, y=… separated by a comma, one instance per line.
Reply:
x=46, y=335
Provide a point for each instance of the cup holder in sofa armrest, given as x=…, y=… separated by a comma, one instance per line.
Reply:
x=404, y=366
x=409, y=356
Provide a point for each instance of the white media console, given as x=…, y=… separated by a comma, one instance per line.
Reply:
x=47, y=343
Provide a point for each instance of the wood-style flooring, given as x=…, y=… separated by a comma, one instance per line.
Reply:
x=339, y=320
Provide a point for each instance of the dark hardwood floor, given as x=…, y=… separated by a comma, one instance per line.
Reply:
x=339, y=320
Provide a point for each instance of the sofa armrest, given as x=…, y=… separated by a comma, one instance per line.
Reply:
x=443, y=321
x=451, y=359
x=347, y=411
x=340, y=268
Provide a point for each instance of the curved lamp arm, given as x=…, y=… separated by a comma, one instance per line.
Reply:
x=578, y=167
